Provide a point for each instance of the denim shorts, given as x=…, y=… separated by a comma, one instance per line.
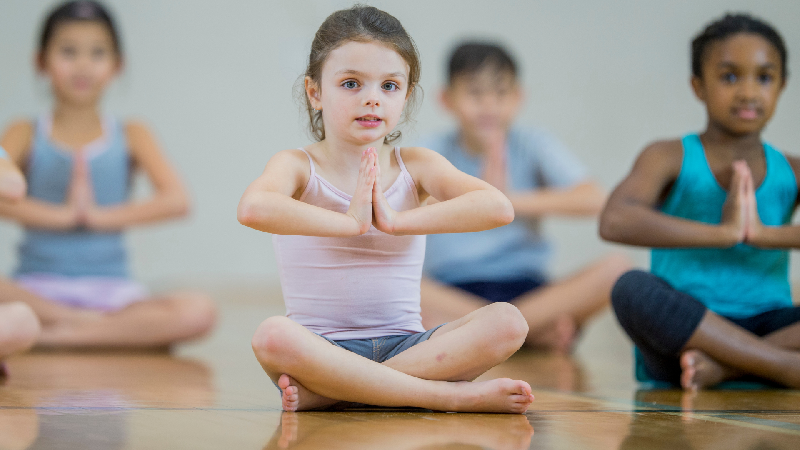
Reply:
x=380, y=349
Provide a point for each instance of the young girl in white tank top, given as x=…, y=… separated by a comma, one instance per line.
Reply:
x=348, y=214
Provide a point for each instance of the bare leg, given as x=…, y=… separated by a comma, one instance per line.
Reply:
x=719, y=349
x=19, y=328
x=48, y=312
x=151, y=323
x=553, y=313
x=284, y=347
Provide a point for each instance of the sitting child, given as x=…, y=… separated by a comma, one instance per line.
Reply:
x=716, y=207
x=542, y=179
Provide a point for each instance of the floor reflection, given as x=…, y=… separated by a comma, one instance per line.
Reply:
x=401, y=430
x=84, y=401
x=713, y=420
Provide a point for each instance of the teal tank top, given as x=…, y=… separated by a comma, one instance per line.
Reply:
x=78, y=252
x=740, y=281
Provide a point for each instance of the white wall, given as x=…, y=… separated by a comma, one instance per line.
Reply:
x=214, y=80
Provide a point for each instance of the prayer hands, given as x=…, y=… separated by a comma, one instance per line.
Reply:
x=80, y=197
x=494, y=159
x=740, y=211
x=361, y=204
x=368, y=205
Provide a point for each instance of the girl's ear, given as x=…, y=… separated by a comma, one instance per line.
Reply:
x=312, y=92
x=38, y=61
x=698, y=88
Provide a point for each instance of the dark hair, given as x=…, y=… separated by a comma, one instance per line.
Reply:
x=78, y=11
x=729, y=25
x=361, y=24
x=472, y=56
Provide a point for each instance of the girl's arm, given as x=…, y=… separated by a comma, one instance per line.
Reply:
x=169, y=198
x=760, y=235
x=271, y=202
x=465, y=203
x=28, y=211
x=583, y=199
x=630, y=215
x=12, y=183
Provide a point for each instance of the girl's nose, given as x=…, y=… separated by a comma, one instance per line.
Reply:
x=371, y=98
x=749, y=89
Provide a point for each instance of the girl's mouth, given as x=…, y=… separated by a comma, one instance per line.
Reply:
x=369, y=121
x=747, y=113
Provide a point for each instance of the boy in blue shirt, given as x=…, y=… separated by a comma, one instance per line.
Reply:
x=541, y=178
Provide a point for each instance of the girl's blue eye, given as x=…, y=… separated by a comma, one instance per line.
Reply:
x=68, y=51
x=350, y=84
x=729, y=78
x=765, y=78
x=98, y=52
x=390, y=86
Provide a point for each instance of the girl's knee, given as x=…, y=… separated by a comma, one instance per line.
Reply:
x=509, y=325
x=196, y=313
x=21, y=327
x=273, y=339
x=625, y=293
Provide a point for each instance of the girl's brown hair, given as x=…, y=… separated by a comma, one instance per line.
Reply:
x=361, y=24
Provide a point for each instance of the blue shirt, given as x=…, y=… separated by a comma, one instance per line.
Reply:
x=740, y=281
x=535, y=160
x=49, y=174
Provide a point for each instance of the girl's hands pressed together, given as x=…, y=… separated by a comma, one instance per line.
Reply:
x=361, y=204
x=383, y=216
x=735, y=210
x=80, y=197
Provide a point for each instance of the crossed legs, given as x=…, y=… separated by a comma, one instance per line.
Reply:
x=682, y=340
x=434, y=374
x=553, y=313
x=156, y=322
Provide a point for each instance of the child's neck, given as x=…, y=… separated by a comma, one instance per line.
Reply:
x=76, y=116
x=737, y=145
x=75, y=125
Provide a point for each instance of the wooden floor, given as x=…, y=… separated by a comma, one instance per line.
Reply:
x=214, y=395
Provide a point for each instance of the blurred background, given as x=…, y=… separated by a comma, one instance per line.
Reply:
x=214, y=80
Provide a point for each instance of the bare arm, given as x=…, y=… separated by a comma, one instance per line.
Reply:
x=12, y=182
x=270, y=202
x=631, y=216
x=760, y=235
x=584, y=199
x=465, y=203
x=169, y=198
x=28, y=211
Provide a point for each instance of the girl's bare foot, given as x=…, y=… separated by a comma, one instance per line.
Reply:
x=295, y=397
x=700, y=371
x=502, y=395
x=558, y=336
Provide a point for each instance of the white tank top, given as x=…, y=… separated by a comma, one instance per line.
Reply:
x=353, y=287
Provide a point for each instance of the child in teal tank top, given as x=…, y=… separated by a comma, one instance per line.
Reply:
x=716, y=209
x=72, y=263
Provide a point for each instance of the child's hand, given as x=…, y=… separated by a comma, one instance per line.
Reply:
x=754, y=227
x=361, y=204
x=736, y=209
x=494, y=159
x=383, y=216
x=80, y=198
